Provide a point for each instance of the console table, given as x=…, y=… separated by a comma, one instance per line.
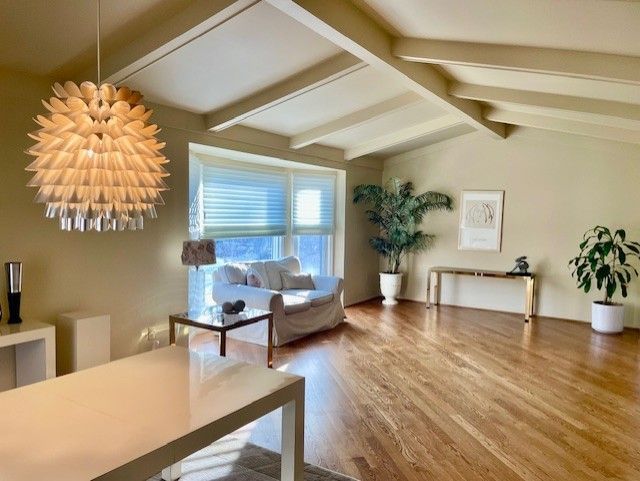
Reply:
x=35, y=346
x=434, y=277
x=129, y=419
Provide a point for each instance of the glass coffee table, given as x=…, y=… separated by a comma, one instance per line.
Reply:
x=213, y=319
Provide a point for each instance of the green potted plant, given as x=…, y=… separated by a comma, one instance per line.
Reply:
x=398, y=213
x=603, y=261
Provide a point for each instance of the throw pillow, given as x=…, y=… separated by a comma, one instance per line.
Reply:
x=296, y=281
x=274, y=268
x=254, y=279
x=235, y=273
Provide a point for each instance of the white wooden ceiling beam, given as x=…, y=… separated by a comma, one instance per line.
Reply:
x=345, y=25
x=564, y=125
x=198, y=18
x=354, y=119
x=584, y=109
x=305, y=81
x=404, y=135
x=546, y=100
x=569, y=63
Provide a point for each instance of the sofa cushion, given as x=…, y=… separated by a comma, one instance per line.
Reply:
x=231, y=273
x=293, y=304
x=315, y=297
x=274, y=268
x=296, y=281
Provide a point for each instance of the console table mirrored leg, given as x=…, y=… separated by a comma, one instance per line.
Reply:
x=433, y=284
x=530, y=297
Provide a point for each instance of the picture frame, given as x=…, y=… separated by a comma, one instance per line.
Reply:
x=480, y=227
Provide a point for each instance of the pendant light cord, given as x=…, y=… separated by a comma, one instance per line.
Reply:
x=98, y=42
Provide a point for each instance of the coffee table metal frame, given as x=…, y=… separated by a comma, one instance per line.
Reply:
x=223, y=328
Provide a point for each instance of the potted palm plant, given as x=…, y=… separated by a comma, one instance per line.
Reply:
x=398, y=213
x=603, y=261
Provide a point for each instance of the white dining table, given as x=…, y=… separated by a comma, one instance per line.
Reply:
x=132, y=418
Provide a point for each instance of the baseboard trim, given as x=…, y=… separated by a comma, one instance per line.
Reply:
x=368, y=299
x=563, y=319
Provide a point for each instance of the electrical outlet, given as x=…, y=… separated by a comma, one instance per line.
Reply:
x=151, y=334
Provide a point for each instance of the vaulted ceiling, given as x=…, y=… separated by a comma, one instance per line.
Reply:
x=370, y=77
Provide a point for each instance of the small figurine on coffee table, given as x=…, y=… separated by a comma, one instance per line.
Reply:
x=521, y=268
x=233, y=307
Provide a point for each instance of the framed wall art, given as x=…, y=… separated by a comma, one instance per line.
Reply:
x=481, y=220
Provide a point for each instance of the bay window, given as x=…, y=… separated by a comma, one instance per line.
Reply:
x=257, y=212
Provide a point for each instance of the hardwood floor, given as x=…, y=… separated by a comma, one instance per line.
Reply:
x=406, y=393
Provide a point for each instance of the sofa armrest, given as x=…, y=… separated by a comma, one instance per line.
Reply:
x=328, y=283
x=252, y=296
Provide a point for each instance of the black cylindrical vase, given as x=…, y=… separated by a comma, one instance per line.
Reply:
x=14, y=307
x=14, y=290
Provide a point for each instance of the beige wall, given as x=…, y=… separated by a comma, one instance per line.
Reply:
x=556, y=187
x=134, y=276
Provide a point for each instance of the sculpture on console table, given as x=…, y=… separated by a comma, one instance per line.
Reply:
x=521, y=268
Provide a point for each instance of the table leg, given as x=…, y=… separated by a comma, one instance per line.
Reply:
x=270, y=342
x=532, y=296
x=172, y=332
x=528, y=304
x=292, y=461
x=428, y=303
x=222, y=343
x=173, y=472
x=437, y=289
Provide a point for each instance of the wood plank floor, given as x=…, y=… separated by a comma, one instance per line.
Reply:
x=405, y=393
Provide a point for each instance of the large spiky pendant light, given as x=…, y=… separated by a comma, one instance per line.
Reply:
x=98, y=163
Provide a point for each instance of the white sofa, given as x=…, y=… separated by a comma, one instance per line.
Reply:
x=296, y=312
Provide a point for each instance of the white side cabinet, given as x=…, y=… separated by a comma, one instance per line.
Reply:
x=83, y=340
x=35, y=350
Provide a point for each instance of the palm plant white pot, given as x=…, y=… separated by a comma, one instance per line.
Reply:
x=398, y=214
x=607, y=318
x=390, y=285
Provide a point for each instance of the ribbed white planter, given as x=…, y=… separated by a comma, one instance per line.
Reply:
x=390, y=285
x=607, y=318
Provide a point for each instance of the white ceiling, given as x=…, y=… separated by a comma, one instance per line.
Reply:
x=536, y=82
x=568, y=115
x=589, y=25
x=597, y=26
x=411, y=115
x=350, y=93
x=428, y=139
x=252, y=50
x=229, y=68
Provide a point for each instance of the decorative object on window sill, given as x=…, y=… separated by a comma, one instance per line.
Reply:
x=481, y=220
x=604, y=260
x=98, y=164
x=14, y=290
x=398, y=213
x=233, y=307
x=521, y=268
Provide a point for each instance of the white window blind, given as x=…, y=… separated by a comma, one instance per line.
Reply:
x=313, y=203
x=239, y=202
